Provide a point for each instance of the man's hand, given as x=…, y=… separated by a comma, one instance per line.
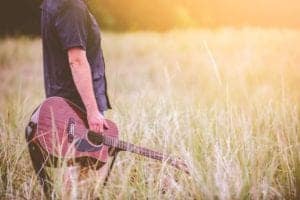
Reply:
x=96, y=122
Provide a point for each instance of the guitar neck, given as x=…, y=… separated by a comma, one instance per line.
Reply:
x=125, y=146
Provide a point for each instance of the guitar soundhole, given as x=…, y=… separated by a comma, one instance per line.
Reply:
x=94, y=138
x=71, y=129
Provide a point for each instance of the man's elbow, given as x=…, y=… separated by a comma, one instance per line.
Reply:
x=77, y=57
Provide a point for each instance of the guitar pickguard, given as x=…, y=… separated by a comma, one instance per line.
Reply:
x=83, y=145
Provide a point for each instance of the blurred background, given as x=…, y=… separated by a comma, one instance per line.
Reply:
x=22, y=16
x=215, y=82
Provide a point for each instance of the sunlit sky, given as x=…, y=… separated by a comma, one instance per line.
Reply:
x=203, y=12
x=23, y=16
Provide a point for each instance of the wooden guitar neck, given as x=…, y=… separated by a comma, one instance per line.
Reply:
x=126, y=146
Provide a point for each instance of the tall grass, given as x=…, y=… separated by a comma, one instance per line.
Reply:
x=224, y=100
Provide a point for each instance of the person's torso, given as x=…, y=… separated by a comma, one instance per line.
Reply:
x=57, y=73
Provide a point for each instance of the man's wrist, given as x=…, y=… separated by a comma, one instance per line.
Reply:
x=91, y=109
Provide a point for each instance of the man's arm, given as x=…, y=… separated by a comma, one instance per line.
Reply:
x=81, y=73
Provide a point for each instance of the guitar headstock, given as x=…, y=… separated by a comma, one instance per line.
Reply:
x=180, y=164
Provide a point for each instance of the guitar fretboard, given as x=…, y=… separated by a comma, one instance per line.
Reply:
x=126, y=146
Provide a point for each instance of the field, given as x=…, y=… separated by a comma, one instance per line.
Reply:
x=225, y=100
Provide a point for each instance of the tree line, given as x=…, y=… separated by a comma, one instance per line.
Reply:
x=23, y=16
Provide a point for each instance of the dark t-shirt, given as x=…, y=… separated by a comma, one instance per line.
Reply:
x=67, y=24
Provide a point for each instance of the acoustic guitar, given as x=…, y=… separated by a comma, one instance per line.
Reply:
x=62, y=133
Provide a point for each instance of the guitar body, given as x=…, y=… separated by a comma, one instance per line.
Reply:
x=62, y=132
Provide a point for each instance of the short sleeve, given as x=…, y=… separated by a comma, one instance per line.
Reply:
x=71, y=26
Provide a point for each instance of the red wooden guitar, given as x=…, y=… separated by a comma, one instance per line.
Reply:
x=62, y=133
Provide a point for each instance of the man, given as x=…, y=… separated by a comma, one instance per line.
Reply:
x=74, y=64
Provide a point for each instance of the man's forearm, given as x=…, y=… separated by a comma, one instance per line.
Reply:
x=82, y=77
x=81, y=73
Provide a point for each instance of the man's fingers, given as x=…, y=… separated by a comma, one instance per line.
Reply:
x=100, y=127
x=106, y=126
x=96, y=127
x=98, y=124
x=93, y=127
